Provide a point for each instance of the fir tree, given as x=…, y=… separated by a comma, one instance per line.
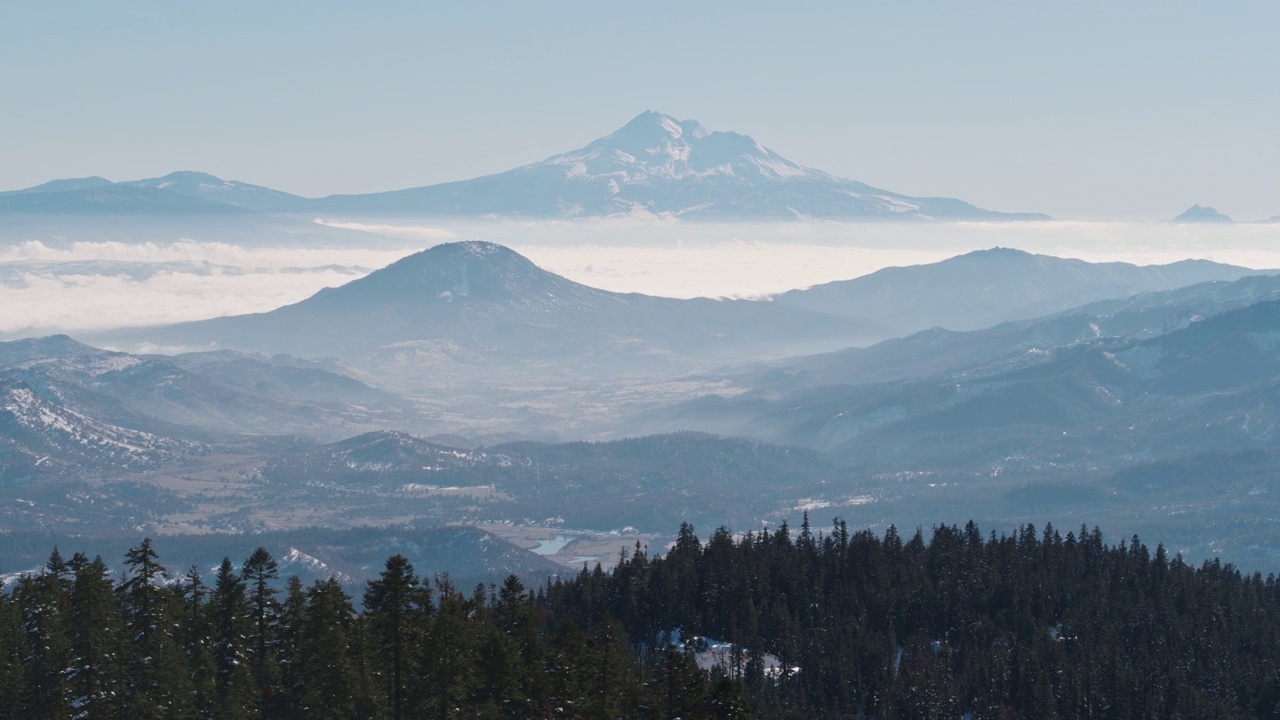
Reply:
x=258, y=572
x=394, y=612
x=195, y=635
x=156, y=685
x=330, y=682
x=13, y=678
x=447, y=659
x=43, y=605
x=234, y=689
x=96, y=674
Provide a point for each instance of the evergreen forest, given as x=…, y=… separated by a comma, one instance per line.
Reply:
x=945, y=624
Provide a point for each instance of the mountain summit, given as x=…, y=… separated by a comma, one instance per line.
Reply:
x=657, y=165
x=655, y=146
x=473, y=274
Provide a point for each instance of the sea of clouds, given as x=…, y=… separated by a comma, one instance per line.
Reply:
x=63, y=285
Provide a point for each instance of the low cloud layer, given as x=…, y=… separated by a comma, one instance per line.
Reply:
x=200, y=253
x=77, y=286
x=95, y=285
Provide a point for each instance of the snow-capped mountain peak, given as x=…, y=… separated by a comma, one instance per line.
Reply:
x=648, y=131
x=658, y=147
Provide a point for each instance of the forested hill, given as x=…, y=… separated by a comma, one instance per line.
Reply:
x=1030, y=625
x=830, y=624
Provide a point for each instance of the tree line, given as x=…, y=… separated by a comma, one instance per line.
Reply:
x=957, y=624
x=74, y=643
x=823, y=624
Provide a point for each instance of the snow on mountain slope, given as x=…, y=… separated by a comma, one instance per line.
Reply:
x=224, y=392
x=654, y=147
x=658, y=165
x=43, y=430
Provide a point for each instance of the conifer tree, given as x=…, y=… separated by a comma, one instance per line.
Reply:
x=234, y=689
x=394, y=612
x=292, y=628
x=521, y=688
x=43, y=607
x=569, y=670
x=195, y=635
x=156, y=684
x=448, y=657
x=609, y=659
x=96, y=636
x=12, y=671
x=330, y=682
x=258, y=572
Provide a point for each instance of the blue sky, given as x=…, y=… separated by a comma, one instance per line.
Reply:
x=1087, y=110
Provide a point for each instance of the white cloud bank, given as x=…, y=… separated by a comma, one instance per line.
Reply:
x=88, y=286
x=737, y=260
x=47, y=288
x=196, y=252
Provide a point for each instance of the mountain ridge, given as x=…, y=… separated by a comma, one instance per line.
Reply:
x=474, y=303
x=959, y=293
x=654, y=165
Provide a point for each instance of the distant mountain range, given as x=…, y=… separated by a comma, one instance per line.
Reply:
x=86, y=436
x=937, y=351
x=1120, y=410
x=981, y=289
x=68, y=408
x=179, y=193
x=475, y=307
x=654, y=165
x=1160, y=411
x=637, y=482
x=1195, y=370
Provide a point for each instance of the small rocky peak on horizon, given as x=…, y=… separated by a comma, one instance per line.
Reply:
x=1202, y=214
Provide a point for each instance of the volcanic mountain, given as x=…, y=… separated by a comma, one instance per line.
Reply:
x=658, y=165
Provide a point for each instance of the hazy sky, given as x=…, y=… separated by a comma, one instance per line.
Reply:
x=1086, y=110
